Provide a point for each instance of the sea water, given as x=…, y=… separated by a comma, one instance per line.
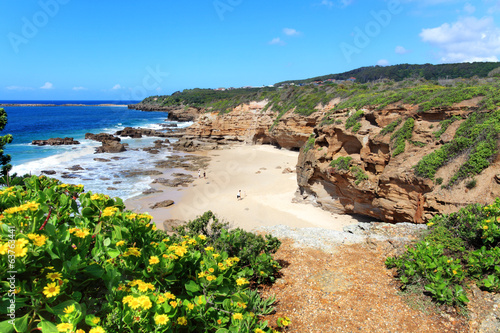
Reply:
x=43, y=122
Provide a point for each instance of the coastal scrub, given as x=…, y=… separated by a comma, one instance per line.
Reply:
x=84, y=264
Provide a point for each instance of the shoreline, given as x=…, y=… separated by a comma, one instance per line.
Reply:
x=39, y=105
x=267, y=192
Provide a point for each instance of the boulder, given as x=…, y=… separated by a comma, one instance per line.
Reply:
x=55, y=142
x=163, y=204
x=101, y=137
x=110, y=147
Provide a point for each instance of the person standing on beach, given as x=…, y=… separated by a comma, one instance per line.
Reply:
x=199, y=173
x=204, y=174
x=238, y=196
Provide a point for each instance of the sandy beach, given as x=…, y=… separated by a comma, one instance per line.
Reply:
x=267, y=193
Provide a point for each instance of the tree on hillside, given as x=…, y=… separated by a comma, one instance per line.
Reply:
x=5, y=139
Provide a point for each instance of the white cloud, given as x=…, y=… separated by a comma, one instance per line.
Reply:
x=47, y=85
x=469, y=9
x=116, y=87
x=468, y=39
x=291, y=32
x=18, y=88
x=277, y=41
x=327, y=3
x=79, y=88
x=401, y=50
x=383, y=62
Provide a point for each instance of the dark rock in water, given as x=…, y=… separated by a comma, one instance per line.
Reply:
x=49, y=172
x=117, y=182
x=180, y=180
x=132, y=173
x=136, y=133
x=163, y=204
x=151, y=150
x=110, y=147
x=101, y=137
x=98, y=159
x=68, y=175
x=117, y=158
x=55, y=142
x=111, y=188
x=76, y=168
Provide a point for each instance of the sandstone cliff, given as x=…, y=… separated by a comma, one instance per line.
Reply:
x=177, y=113
x=388, y=189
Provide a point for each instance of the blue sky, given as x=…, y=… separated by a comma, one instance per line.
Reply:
x=122, y=50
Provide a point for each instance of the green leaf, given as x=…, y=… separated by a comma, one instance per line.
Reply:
x=222, y=330
x=107, y=242
x=192, y=287
x=6, y=326
x=59, y=308
x=48, y=327
x=88, y=212
x=50, y=229
x=94, y=270
x=21, y=324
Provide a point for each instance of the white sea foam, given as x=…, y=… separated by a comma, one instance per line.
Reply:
x=101, y=176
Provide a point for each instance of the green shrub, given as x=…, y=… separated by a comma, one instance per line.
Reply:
x=444, y=125
x=401, y=135
x=82, y=262
x=359, y=174
x=353, y=120
x=476, y=137
x=391, y=127
x=310, y=143
x=342, y=163
x=356, y=127
x=439, y=181
x=471, y=184
x=459, y=247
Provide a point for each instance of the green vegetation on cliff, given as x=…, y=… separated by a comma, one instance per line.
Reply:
x=406, y=71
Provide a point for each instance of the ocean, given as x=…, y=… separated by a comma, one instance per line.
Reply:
x=43, y=122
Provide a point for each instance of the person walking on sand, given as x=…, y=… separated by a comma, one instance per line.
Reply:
x=238, y=196
x=204, y=175
x=199, y=173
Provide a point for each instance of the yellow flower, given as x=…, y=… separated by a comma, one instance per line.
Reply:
x=237, y=316
x=190, y=306
x=258, y=330
x=69, y=309
x=127, y=299
x=454, y=272
x=145, y=302
x=160, y=299
x=40, y=240
x=80, y=331
x=95, y=197
x=430, y=224
x=51, y=290
x=201, y=275
x=192, y=241
x=211, y=278
x=54, y=276
x=153, y=260
x=96, y=320
x=20, y=250
x=169, y=295
x=202, y=237
x=4, y=248
x=134, y=303
x=120, y=243
x=487, y=221
x=211, y=270
x=182, y=321
x=82, y=233
x=216, y=255
x=173, y=304
x=485, y=227
x=241, y=281
x=64, y=327
x=97, y=329
x=200, y=300
x=132, y=251
x=109, y=211
x=161, y=319
x=209, y=248
x=132, y=216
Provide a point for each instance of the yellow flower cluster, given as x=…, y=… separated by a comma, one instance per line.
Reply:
x=141, y=285
x=179, y=250
x=8, y=191
x=97, y=329
x=38, y=240
x=137, y=302
x=33, y=206
x=80, y=233
x=109, y=211
x=20, y=249
x=132, y=251
x=96, y=196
